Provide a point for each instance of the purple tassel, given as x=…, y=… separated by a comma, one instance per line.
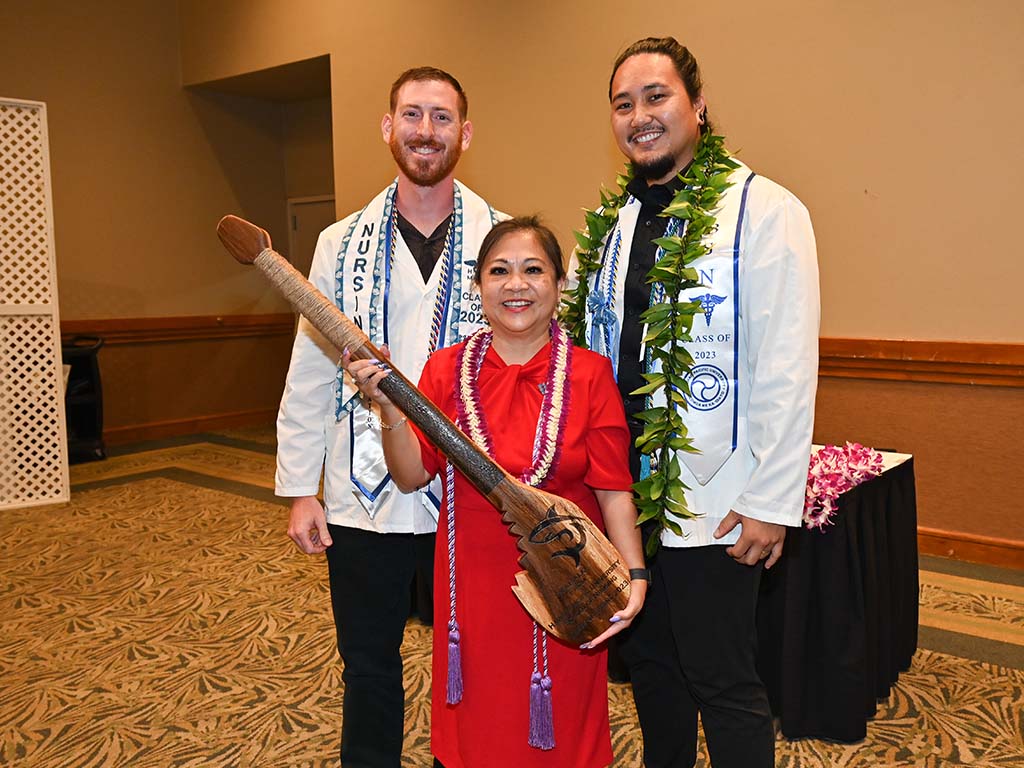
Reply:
x=542, y=726
x=536, y=703
x=454, y=664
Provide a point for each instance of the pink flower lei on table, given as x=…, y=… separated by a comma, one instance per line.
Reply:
x=547, y=444
x=833, y=471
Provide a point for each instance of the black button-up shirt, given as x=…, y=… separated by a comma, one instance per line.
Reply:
x=425, y=249
x=637, y=297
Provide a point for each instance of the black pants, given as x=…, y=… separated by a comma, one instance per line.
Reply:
x=693, y=649
x=371, y=577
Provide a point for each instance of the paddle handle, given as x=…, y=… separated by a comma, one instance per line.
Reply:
x=483, y=472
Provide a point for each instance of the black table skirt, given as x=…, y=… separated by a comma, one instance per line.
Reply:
x=837, y=617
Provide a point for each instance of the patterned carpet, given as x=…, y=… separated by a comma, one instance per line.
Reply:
x=162, y=618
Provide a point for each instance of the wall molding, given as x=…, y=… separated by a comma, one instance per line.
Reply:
x=148, y=330
x=158, y=430
x=1006, y=553
x=948, y=362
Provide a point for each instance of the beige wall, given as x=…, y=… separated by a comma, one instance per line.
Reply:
x=894, y=122
x=905, y=152
x=142, y=169
x=968, y=475
x=308, y=148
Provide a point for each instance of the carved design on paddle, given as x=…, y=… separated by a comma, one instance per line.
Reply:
x=551, y=529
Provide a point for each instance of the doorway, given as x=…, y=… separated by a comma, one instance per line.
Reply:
x=307, y=217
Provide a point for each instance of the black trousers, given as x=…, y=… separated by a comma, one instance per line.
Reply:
x=693, y=649
x=371, y=578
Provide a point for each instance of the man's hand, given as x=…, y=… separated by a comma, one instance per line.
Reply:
x=758, y=540
x=307, y=525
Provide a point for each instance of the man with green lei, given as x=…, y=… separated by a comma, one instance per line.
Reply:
x=699, y=280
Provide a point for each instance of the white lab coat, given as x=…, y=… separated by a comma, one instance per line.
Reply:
x=311, y=439
x=778, y=320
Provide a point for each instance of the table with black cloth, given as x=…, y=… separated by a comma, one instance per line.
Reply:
x=837, y=617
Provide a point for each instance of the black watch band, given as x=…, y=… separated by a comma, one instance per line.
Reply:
x=640, y=573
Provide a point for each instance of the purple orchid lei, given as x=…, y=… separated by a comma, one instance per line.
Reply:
x=547, y=443
x=833, y=471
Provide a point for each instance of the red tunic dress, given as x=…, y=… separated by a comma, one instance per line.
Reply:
x=490, y=726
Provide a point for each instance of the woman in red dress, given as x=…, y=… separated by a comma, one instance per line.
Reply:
x=551, y=415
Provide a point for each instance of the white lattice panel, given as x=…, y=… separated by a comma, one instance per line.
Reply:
x=33, y=439
x=32, y=431
x=24, y=230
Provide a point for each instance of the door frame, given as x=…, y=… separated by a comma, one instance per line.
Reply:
x=291, y=202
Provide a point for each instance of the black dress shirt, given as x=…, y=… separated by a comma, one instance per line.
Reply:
x=426, y=249
x=637, y=297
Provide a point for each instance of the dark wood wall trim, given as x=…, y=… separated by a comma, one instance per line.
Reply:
x=949, y=362
x=135, y=433
x=1006, y=553
x=146, y=330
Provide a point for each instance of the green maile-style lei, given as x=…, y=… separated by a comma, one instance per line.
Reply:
x=660, y=495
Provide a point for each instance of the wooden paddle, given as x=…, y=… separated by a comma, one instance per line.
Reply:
x=574, y=579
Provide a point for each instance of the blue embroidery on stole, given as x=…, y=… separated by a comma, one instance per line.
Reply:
x=340, y=407
x=736, y=308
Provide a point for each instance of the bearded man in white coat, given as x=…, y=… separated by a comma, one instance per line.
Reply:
x=402, y=269
x=749, y=402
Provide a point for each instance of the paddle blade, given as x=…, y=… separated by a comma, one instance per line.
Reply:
x=533, y=600
x=243, y=239
x=574, y=580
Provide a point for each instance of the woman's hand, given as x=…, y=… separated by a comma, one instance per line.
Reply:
x=622, y=619
x=401, y=448
x=368, y=374
x=620, y=522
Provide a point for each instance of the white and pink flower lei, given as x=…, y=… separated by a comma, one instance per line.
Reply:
x=553, y=410
x=834, y=470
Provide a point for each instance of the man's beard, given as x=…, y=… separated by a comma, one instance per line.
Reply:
x=655, y=168
x=425, y=177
